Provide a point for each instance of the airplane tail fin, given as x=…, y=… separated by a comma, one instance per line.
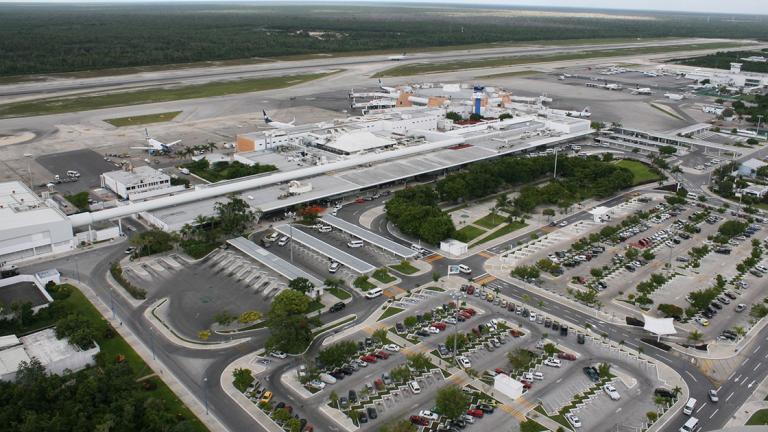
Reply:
x=146, y=133
x=266, y=117
x=585, y=110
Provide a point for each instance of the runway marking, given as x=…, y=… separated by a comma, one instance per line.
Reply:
x=692, y=377
x=714, y=412
x=729, y=396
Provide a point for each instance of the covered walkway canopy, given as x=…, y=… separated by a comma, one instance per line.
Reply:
x=659, y=326
x=326, y=249
x=274, y=262
x=369, y=236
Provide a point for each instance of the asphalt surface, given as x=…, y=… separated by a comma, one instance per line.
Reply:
x=193, y=366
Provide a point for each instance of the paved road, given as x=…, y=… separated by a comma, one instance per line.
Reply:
x=192, y=366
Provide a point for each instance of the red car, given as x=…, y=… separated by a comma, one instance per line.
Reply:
x=359, y=201
x=309, y=428
x=470, y=311
x=500, y=371
x=526, y=384
x=379, y=384
x=439, y=325
x=368, y=358
x=422, y=421
x=566, y=356
x=516, y=333
x=476, y=413
x=382, y=355
x=470, y=290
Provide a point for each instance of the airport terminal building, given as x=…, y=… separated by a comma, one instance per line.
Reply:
x=30, y=226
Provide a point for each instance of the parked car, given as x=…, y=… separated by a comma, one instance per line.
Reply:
x=429, y=415
x=337, y=307
x=476, y=413
x=278, y=354
x=611, y=391
x=418, y=420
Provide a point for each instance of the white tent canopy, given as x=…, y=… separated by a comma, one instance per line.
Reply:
x=659, y=326
x=511, y=388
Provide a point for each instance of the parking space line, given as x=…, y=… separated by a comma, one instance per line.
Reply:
x=714, y=412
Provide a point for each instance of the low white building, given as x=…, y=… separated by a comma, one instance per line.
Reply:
x=507, y=386
x=139, y=180
x=56, y=355
x=29, y=227
x=757, y=191
x=453, y=247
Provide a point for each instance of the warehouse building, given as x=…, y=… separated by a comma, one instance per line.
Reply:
x=30, y=226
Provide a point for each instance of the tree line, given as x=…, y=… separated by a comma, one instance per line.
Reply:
x=53, y=38
x=416, y=211
x=723, y=60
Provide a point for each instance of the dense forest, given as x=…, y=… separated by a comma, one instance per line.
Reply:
x=723, y=60
x=38, y=38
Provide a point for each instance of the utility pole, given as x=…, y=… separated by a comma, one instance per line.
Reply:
x=205, y=393
x=555, y=173
x=759, y=119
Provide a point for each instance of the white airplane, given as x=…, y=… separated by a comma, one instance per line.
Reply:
x=397, y=57
x=674, y=96
x=277, y=125
x=642, y=91
x=155, y=146
x=387, y=89
x=583, y=113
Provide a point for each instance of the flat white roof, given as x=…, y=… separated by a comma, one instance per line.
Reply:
x=140, y=174
x=659, y=326
x=357, y=141
x=267, y=258
x=369, y=236
x=20, y=207
x=10, y=359
x=326, y=249
x=45, y=346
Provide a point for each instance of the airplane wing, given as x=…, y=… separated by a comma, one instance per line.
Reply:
x=173, y=143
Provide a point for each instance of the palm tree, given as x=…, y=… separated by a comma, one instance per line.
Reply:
x=334, y=398
x=695, y=336
x=740, y=331
x=211, y=146
x=676, y=391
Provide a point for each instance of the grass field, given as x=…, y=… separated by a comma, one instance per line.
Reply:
x=86, y=102
x=506, y=229
x=339, y=293
x=490, y=221
x=389, y=312
x=425, y=68
x=759, y=418
x=116, y=346
x=383, y=276
x=143, y=119
x=641, y=172
x=512, y=74
x=404, y=267
x=469, y=233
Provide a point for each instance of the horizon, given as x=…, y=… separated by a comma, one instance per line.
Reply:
x=738, y=7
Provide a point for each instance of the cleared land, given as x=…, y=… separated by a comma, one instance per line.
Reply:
x=641, y=172
x=85, y=103
x=426, y=68
x=143, y=119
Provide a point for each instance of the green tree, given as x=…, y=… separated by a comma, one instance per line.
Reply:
x=380, y=335
x=153, y=241
x=400, y=374
x=452, y=115
x=224, y=318
x=334, y=398
x=290, y=329
x=695, y=336
x=242, y=378
x=80, y=331
x=550, y=349
x=604, y=369
x=419, y=361
x=234, y=216
x=302, y=285
x=398, y=426
x=451, y=401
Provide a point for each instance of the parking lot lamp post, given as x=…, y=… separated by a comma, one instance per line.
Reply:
x=555, y=173
x=205, y=394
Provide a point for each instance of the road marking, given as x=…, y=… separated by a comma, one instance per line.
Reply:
x=737, y=378
x=718, y=389
x=692, y=377
x=751, y=384
x=758, y=365
x=701, y=407
x=714, y=412
x=745, y=361
x=730, y=376
x=729, y=396
x=757, y=349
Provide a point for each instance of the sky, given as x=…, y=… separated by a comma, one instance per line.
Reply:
x=717, y=6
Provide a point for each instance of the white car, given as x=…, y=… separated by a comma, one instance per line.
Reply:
x=538, y=376
x=361, y=363
x=552, y=362
x=333, y=267
x=451, y=320
x=528, y=376
x=563, y=224
x=610, y=390
x=278, y=354
x=317, y=384
x=429, y=415
x=283, y=241
x=464, y=362
x=325, y=228
x=573, y=420
x=465, y=269
x=433, y=330
x=532, y=317
x=392, y=347
x=414, y=386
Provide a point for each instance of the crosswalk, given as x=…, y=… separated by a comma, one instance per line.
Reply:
x=432, y=258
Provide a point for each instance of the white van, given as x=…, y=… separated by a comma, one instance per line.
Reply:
x=690, y=425
x=283, y=241
x=325, y=228
x=414, y=387
x=689, y=406
x=691, y=196
x=373, y=293
x=355, y=244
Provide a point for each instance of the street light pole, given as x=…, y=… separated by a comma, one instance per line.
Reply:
x=555, y=173
x=205, y=393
